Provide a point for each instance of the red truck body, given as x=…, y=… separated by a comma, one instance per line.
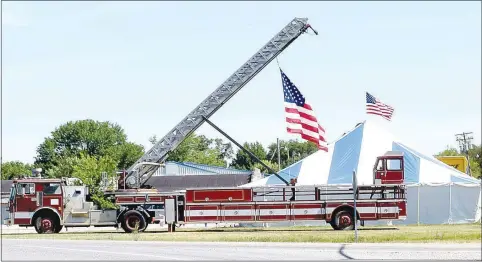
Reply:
x=51, y=204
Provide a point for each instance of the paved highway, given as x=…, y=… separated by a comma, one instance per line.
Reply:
x=34, y=249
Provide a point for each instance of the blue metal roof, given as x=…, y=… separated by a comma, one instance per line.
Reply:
x=189, y=168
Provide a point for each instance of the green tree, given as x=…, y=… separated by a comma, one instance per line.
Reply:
x=89, y=170
x=64, y=167
x=15, y=169
x=125, y=154
x=475, y=155
x=291, y=151
x=450, y=151
x=244, y=161
x=58, y=153
x=225, y=149
x=263, y=169
x=200, y=149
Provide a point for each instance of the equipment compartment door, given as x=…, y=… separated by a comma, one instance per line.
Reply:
x=202, y=213
x=238, y=212
x=272, y=212
x=387, y=210
x=307, y=212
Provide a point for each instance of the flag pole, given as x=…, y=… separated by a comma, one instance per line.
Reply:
x=354, y=204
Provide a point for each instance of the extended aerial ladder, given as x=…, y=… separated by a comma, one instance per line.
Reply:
x=140, y=172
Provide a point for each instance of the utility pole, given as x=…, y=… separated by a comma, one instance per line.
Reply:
x=279, y=155
x=464, y=141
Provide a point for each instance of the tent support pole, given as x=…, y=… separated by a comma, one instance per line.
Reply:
x=450, y=203
x=418, y=204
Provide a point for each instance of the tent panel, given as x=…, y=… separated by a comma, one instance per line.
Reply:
x=465, y=178
x=434, y=204
x=411, y=163
x=288, y=173
x=458, y=179
x=433, y=174
x=316, y=167
x=412, y=207
x=376, y=142
x=478, y=216
x=427, y=158
x=442, y=167
x=274, y=180
x=345, y=157
x=464, y=205
x=260, y=182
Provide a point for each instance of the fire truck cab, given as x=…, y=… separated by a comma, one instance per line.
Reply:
x=389, y=169
x=50, y=204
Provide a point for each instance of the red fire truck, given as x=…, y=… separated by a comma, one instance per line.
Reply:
x=51, y=204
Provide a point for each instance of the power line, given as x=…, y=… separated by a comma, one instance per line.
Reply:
x=465, y=142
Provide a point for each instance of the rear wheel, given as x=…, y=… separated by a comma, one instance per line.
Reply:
x=133, y=220
x=343, y=220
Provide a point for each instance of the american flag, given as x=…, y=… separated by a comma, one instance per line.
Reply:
x=300, y=117
x=375, y=107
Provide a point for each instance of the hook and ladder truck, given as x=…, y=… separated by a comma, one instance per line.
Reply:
x=49, y=205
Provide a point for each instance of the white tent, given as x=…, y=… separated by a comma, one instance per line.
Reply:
x=437, y=193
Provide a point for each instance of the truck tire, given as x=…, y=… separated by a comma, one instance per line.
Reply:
x=144, y=228
x=58, y=228
x=343, y=220
x=47, y=225
x=130, y=219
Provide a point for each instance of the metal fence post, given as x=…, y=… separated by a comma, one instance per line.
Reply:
x=355, y=184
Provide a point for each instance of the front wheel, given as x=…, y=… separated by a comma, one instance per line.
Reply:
x=47, y=225
x=58, y=228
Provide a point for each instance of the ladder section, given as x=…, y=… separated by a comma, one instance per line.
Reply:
x=140, y=172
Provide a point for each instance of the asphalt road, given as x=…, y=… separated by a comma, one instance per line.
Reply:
x=22, y=249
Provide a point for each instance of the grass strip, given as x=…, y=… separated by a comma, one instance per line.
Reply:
x=465, y=233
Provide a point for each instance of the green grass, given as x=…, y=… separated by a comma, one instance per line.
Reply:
x=376, y=234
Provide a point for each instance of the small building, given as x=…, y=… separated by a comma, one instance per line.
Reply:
x=172, y=168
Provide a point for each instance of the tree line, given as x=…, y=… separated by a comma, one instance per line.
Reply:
x=85, y=148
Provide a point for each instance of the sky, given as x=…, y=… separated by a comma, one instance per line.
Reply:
x=146, y=65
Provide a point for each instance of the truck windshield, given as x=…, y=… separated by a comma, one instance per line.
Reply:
x=52, y=189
